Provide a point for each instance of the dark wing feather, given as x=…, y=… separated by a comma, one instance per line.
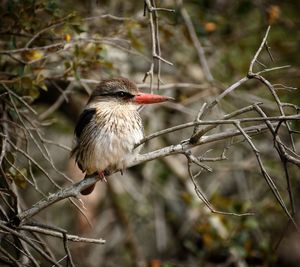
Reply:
x=84, y=119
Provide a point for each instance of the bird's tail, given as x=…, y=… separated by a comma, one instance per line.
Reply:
x=89, y=189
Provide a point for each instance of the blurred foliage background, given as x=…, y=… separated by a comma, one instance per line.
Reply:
x=52, y=55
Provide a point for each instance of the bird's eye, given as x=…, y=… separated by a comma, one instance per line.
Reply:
x=123, y=94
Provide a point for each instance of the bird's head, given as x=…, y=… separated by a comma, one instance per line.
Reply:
x=123, y=91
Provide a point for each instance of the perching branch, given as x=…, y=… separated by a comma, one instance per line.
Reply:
x=181, y=148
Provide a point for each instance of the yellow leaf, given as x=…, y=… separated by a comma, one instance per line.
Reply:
x=67, y=37
x=32, y=55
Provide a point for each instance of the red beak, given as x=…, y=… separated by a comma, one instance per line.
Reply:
x=142, y=98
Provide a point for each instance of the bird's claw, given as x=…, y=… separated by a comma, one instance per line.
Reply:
x=102, y=177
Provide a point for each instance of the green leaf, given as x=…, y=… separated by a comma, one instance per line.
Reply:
x=19, y=178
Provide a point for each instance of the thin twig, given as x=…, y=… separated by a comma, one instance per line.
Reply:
x=59, y=101
x=68, y=253
x=250, y=71
x=73, y=238
x=202, y=197
x=267, y=177
x=196, y=42
x=10, y=257
x=214, y=123
x=197, y=135
x=19, y=98
x=29, y=242
x=285, y=158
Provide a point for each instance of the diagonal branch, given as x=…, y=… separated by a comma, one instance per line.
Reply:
x=75, y=189
x=267, y=177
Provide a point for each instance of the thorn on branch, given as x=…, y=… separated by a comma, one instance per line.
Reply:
x=268, y=48
x=250, y=71
x=162, y=59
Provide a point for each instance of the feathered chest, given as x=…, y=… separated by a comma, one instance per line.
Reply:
x=109, y=136
x=122, y=121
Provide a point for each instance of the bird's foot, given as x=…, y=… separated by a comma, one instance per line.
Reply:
x=102, y=176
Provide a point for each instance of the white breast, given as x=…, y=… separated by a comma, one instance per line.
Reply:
x=118, y=129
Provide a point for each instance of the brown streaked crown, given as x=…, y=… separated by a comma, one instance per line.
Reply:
x=115, y=88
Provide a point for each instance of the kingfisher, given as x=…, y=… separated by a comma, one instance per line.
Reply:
x=109, y=127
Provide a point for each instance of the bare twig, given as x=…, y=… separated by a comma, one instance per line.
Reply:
x=202, y=196
x=215, y=123
x=60, y=100
x=43, y=48
x=19, y=99
x=57, y=24
x=109, y=16
x=278, y=102
x=10, y=257
x=267, y=177
x=196, y=42
x=250, y=75
x=156, y=51
x=29, y=242
x=198, y=134
x=147, y=86
x=250, y=71
x=68, y=253
x=4, y=137
x=281, y=149
x=73, y=238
